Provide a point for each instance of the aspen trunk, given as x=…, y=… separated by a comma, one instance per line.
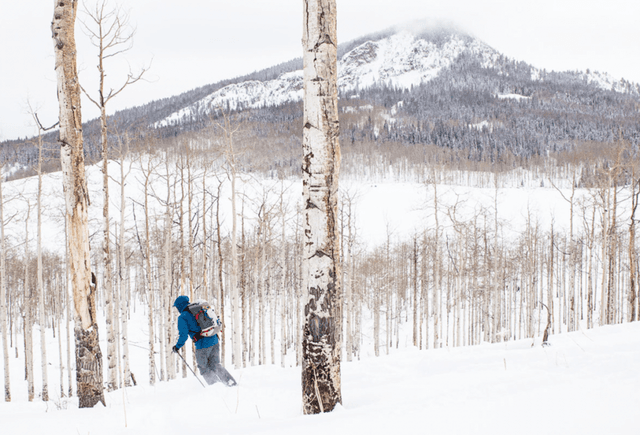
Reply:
x=415, y=290
x=243, y=293
x=220, y=295
x=283, y=282
x=88, y=354
x=28, y=313
x=3, y=300
x=112, y=382
x=67, y=316
x=321, y=390
x=233, y=278
x=148, y=279
x=41, y=303
x=632, y=252
x=166, y=281
x=123, y=283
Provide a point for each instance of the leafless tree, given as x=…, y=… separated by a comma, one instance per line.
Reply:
x=88, y=354
x=109, y=31
x=321, y=389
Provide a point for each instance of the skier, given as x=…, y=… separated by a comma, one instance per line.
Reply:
x=207, y=348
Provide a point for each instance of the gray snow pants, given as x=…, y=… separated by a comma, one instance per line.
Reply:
x=208, y=360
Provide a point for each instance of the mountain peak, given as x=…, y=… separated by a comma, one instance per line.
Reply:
x=402, y=57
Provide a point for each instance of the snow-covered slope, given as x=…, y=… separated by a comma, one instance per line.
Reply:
x=401, y=60
x=585, y=383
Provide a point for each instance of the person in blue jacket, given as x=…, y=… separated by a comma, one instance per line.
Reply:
x=207, y=348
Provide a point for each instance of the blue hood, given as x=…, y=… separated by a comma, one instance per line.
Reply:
x=181, y=302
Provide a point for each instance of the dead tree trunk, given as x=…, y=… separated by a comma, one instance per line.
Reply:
x=3, y=300
x=635, y=192
x=321, y=389
x=88, y=354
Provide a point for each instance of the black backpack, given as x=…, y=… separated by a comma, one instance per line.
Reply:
x=206, y=317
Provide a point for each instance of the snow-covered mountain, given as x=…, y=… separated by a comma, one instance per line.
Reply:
x=401, y=60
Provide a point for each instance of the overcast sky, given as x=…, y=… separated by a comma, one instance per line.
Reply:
x=196, y=42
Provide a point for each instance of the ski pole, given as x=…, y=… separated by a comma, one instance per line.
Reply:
x=194, y=373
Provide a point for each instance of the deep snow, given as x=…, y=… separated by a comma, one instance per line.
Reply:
x=586, y=382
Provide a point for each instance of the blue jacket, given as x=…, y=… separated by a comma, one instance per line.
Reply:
x=188, y=326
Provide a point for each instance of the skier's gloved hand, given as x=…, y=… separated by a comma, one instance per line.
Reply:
x=174, y=349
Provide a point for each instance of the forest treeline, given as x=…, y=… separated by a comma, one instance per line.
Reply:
x=509, y=112
x=461, y=279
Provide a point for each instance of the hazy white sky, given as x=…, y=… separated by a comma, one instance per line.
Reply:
x=196, y=42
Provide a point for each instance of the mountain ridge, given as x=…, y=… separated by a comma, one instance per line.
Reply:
x=396, y=58
x=430, y=87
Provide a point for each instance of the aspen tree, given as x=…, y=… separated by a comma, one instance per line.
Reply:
x=3, y=294
x=68, y=307
x=40, y=286
x=272, y=298
x=414, y=282
x=123, y=153
x=180, y=166
x=147, y=172
x=388, y=290
x=88, y=354
x=231, y=156
x=424, y=286
x=260, y=287
x=572, y=297
x=300, y=293
x=283, y=276
x=27, y=310
x=635, y=192
x=348, y=201
x=205, y=253
x=166, y=275
x=612, y=238
x=109, y=32
x=60, y=290
x=321, y=390
x=220, y=295
x=246, y=343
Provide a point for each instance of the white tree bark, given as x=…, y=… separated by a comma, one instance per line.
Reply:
x=3, y=299
x=168, y=326
x=232, y=173
x=88, y=354
x=321, y=390
x=41, y=304
x=111, y=35
x=146, y=173
x=28, y=311
x=67, y=304
x=122, y=269
x=283, y=280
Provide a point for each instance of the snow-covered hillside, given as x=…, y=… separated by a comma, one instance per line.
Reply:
x=584, y=383
x=401, y=60
x=381, y=207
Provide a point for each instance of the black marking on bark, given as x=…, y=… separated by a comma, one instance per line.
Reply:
x=310, y=205
x=319, y=253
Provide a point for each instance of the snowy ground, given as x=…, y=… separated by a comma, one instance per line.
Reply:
x=586, y=382
x=397, y=209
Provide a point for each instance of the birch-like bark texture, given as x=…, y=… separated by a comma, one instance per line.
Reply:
x=88, y=354
x=321, y=389
x=3, y=299
x=41, y=303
